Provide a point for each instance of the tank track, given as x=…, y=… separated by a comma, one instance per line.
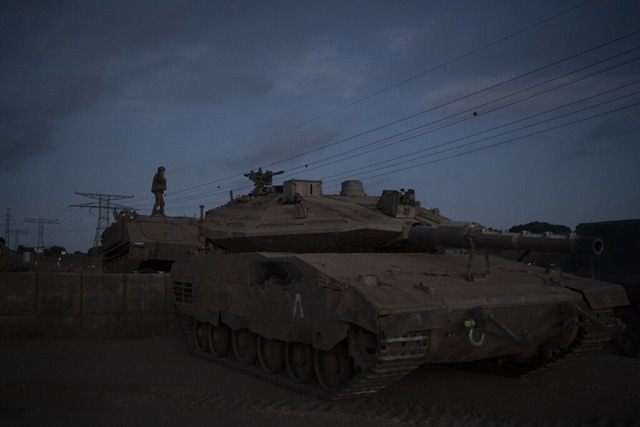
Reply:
x=588, y=341
x=133, y=260
x=126, y=263
x=394, y=362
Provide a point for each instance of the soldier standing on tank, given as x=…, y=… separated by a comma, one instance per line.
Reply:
x=158, y=187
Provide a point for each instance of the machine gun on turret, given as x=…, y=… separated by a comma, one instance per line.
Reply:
x=262, y=181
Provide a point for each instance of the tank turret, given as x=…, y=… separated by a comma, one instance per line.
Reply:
x=341, y=295
x=144, y=243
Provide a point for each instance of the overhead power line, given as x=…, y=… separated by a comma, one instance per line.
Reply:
x=463, y=115
x=411, y=134
x=377, y=92
x=448, y=103
x=458, y=99
x=104, y=205
x=405, y=167
x=395, y=85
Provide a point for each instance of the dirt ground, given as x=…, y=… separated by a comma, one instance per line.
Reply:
x=155, y=381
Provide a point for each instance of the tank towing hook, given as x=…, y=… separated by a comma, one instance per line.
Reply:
x=471, y=325
x=482, y=319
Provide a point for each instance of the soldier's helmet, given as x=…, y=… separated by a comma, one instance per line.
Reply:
x=161, y=168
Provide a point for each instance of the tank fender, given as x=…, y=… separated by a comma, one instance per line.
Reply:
x=357, y=309
x=328, y=334
x=235, y=321
x=421, y=319
x=206, y=316
x=600, y=295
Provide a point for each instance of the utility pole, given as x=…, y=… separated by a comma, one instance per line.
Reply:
x=18, y=232
x=104, y=206
x=41, y=222
x=7, y=227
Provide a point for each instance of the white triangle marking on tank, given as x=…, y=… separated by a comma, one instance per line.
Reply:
x=298, y=303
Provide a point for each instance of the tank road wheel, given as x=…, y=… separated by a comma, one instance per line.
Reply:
x=299, y=362
x=200, y=335
x=271, y=355
x=244, y=346
x=628, y=342
x=219, y=339
x=333, y=367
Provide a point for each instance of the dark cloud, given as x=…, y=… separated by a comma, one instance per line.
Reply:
x=207, y=80
x=610, y=137
x=58, y=62
x=22, y=136
x=619, y=129
x=30, y=115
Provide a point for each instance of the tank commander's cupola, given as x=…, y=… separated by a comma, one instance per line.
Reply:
x=352, y=188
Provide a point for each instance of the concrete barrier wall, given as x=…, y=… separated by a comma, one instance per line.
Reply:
x=85, y=305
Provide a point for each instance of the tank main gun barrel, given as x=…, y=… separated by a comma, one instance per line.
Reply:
x=470, y=235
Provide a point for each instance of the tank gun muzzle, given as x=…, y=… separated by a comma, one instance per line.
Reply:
x=471, y=235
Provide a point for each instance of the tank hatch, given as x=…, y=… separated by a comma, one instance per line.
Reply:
x=304, y=188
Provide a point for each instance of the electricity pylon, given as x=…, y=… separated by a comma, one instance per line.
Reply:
x=103, y=205
x=18, y=232
x=7, y=227
x=41, y=222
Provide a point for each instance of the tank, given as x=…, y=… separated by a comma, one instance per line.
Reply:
x=342, y=295
x=143, y=243
x=620, y=263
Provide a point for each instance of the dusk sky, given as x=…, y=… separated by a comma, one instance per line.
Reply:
x=502, y=112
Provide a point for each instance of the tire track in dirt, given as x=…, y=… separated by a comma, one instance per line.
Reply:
x=370, y=411
x=154, y=382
